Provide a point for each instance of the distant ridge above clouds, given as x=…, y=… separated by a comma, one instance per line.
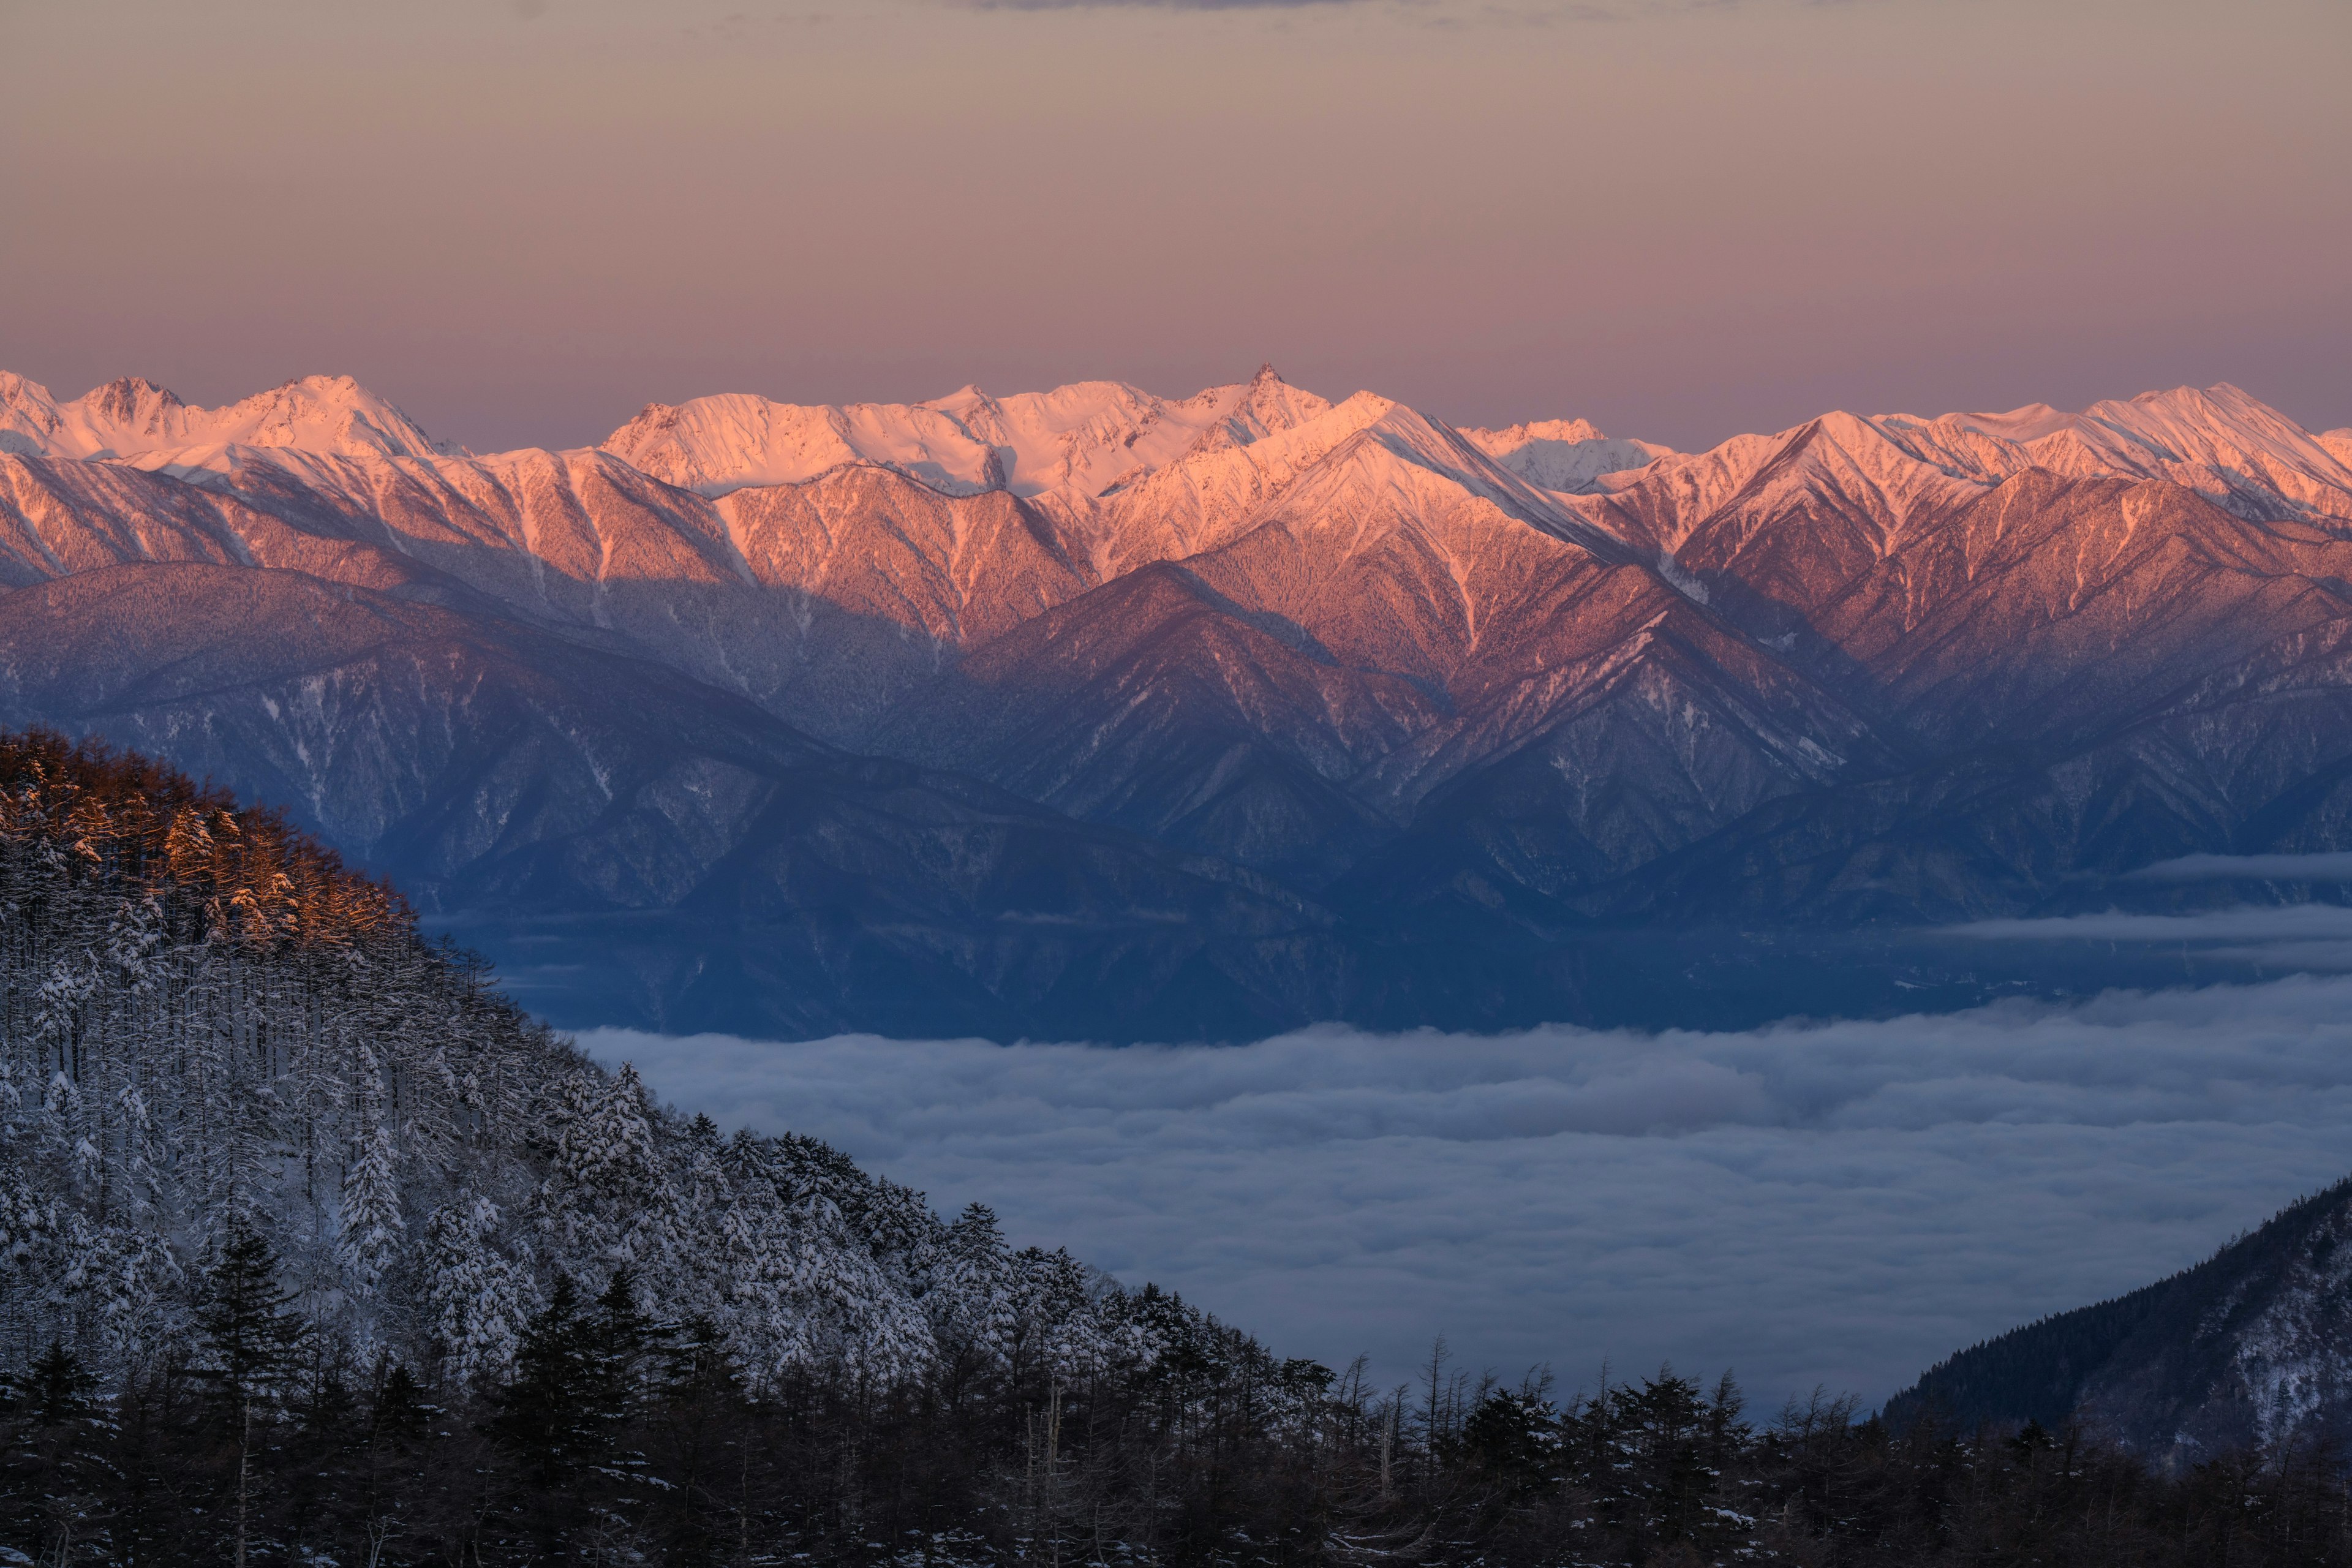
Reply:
x=1436, y=703
x=2230, y=446
x=1078, y=446
x=1086, y=438
x=135, y=420
x=1567, y=455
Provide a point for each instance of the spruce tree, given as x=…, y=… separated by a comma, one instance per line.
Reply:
x=57, y=1479
x=547, y=1411
x=250, y=1338
x=250, y=1342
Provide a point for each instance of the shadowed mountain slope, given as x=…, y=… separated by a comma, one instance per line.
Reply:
x=596, y=820
x=2246, y=1347
x=1158, y=704
x=1094, y=710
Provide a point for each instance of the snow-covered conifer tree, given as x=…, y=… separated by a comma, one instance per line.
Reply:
x=370, y=1231
x=476, y=1302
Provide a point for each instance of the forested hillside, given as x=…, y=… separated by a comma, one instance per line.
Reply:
x=2247, y=1347
x=314, y=1250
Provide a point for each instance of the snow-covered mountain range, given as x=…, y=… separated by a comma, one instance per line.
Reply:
x=1094, y=712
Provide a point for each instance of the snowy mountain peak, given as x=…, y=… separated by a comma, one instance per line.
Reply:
x=2220, y=441
x=131, y=402
x=28, y=414
x=1569, y=456
x=1403, y=439
x=1569, y=430
x=2179, y=417
x=730, y=441
x=1076, y=442
x=132, y=419
x=1264, y=406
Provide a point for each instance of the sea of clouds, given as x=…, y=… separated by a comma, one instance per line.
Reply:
x=1810, y=1204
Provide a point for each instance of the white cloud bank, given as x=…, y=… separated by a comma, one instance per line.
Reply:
x=2275, y=938
x=1839, y=1204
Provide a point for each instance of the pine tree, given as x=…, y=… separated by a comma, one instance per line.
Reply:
x=58, y=1477
x=250, y=1340
x=621, y=1340
x=607, y=1193
x=53, y=1391
x=550, y=1413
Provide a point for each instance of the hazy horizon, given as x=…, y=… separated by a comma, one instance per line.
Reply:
x=522, y=223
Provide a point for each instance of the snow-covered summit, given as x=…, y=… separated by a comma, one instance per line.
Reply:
x=1080, y=441
x=1567, y=455
x=135, y=420
x=2228, y=445
x=732, y=441
x=2219, y=442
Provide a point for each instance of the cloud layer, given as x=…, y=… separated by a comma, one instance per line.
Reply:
x=2273, y=938
x=1841, y=1204
x=2331, y=866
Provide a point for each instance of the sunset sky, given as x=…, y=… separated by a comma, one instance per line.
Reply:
x=521, y=221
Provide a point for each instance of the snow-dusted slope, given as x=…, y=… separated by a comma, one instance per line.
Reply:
x=821, y=602
x=1278, y=441
x=1330, y=621
x=1087, y=439
x=135, y=420
x=1199, y=501
x=612, y=816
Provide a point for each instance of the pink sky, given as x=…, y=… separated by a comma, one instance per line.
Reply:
x=522, y=221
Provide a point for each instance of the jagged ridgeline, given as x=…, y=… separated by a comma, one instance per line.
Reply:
x=214, y=1029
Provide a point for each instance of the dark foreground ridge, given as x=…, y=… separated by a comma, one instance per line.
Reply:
x=2246, y=1347
x=314, y=1249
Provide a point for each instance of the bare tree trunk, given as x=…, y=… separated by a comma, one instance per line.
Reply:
x=243, y=1475
x=1054, y=1476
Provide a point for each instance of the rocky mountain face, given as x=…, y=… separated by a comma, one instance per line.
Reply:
x=2247, y=1347
x=1090, y=711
